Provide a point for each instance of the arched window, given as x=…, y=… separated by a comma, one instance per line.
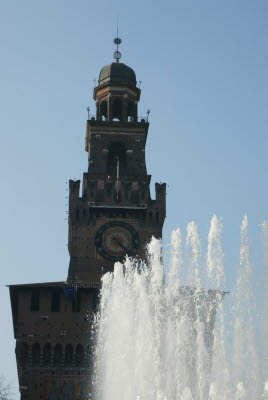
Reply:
x=117, y=151
x=46, y=354
x=79, y=354
x=36, y=353
x=103, y=110
x=117, y=110
x=69, y=354
x=57, y=354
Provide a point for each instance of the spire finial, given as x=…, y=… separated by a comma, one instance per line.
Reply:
x=117, y=41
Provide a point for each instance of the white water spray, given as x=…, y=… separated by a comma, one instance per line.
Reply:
x=244, y=346
x=158, y=340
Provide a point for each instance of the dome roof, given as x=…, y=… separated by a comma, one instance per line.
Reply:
x=117, y=72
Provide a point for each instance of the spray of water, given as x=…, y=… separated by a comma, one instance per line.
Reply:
x=165, y=339
x=244, y=347
x=219, y=378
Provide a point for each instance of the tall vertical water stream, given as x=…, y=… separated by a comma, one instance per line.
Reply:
x=170, y=338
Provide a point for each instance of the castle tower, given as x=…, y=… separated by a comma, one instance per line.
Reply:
x=114, y=216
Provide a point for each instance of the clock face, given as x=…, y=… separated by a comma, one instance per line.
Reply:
x=116, y=239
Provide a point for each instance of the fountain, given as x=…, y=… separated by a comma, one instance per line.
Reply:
x=170, y=338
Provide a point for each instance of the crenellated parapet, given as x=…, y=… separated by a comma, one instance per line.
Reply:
x=74, y=187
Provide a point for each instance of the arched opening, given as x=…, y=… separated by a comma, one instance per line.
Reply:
x=130, y=112
x=46, y=354
x=57, y=354
x=117, y=151
x=103, y=110
x=117, y=110
x=68, y=354
x=36, y=353
x=79, y=354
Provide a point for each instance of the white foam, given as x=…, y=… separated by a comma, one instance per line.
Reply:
x=160, y=340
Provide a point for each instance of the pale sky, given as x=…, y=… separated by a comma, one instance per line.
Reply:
x=203, y=67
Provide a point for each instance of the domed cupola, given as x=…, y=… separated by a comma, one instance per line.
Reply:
x=117, y=95
x=117, y=72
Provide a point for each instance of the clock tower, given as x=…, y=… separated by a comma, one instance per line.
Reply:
x=112, y=217
x=115, y=215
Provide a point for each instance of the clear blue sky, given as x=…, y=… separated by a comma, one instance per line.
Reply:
x=203, y=67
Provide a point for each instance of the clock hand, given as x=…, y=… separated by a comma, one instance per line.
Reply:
x=120, y=244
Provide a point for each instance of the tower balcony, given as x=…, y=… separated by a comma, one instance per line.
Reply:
x=141, y=120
